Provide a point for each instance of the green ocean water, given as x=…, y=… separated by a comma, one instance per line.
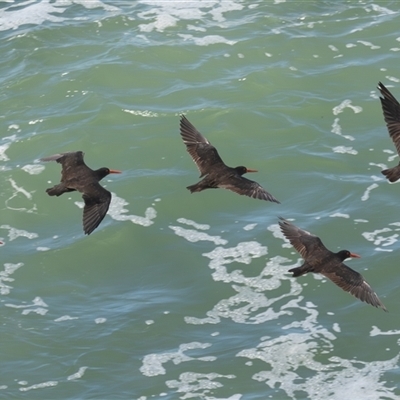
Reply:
x=188, y=296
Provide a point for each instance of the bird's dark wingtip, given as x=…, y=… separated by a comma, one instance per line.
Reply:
x=264, y=195
x=283, y=221
x=392, y=174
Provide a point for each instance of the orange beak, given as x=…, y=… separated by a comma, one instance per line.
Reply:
x=354, y=255
x=115, y=171
x=251, y=170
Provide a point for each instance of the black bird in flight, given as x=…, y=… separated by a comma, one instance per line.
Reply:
x=391, y=113
x=318, y=259
x=216, y=174
x=76, y=175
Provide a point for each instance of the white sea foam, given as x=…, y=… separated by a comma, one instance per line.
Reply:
x=378, y=239
x=207, y=40
x=65, y=318
x=375, y=331
x=393, y=79
x=3, y=148
x=9, y=269
x=38, y=306
x=142, y=113
x=369, y=44
x=249, y=227
x=194, y=224
x=37, y=13
x=39, y=386
x=14, y=233
x=379, y=165
x=382, y=10
x=337, y=129
x=250, y=304
x=339, y=215
x=41, y=248
x=199, y=384
x=162, y=15
x=17, y=191
x=191, y=235
x=344, y=150
x=152, y=364
x=78, y=374
x=253, y=302
x=346, y=104
x=35, y=121
x=33, y=169
x=342, y=379
x=365, y=196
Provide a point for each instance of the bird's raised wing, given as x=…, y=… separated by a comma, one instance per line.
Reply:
x=391, y=113
x=203, y=153
x=72, y=158
x=304, y=242
x=71, y=161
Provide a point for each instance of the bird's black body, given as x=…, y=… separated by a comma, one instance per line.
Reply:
x=213, y=170
x=318, y=259
x=76, y=175
x=391, y=113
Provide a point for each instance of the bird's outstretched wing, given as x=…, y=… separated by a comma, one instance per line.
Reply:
x=247, y=187
x=203, y=153
x=353, y=282
x=391, y=113
x=97, y=201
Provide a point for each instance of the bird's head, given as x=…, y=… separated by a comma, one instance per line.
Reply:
x=344, y=254
x=243, y=170
x=102, y=172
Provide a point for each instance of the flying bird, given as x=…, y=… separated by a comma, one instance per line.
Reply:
x=76, y=175
x=318, y=259
x=391, y=113
x=213, y=170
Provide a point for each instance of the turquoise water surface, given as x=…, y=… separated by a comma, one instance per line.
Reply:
x=188, y=296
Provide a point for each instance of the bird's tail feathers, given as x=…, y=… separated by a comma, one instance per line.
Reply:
x=58, y=190
x=298, y=271
x=197, y=187
x=392, y=174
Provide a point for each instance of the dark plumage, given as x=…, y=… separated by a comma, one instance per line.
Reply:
x=216, y=174
x=318, y=259
x=391, y=113
x=76, y=175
